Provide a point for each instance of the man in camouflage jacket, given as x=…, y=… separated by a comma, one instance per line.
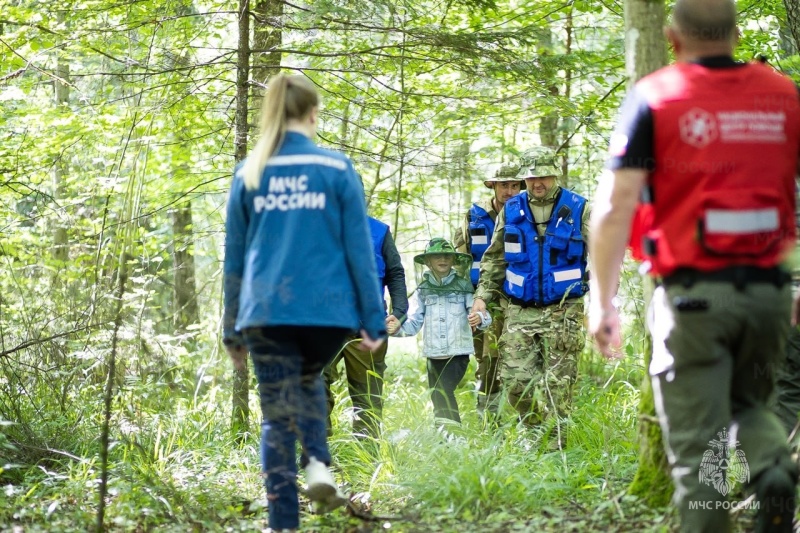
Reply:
x=540, y=343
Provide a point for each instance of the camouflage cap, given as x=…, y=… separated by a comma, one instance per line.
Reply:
x=507, y=172
x=539, y=162
x=441, y=246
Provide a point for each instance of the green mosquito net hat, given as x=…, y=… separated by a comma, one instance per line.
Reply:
x=428, y=283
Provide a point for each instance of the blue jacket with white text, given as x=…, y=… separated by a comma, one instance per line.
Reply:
x=298, y=249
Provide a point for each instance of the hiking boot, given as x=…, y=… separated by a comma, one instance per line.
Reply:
x=322, y=490
x=339, y=499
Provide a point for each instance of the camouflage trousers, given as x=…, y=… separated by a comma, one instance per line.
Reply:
x=485, y=343
x=539, y=351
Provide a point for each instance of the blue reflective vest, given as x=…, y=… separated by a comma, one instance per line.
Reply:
x=481, y=228
x=378, y=231
x=543, y=270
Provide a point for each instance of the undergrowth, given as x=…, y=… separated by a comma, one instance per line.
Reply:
x=174, y=466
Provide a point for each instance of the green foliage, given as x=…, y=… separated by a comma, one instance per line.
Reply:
x=427, y=98
x=174, y=467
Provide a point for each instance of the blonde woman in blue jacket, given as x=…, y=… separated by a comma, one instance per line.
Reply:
x=299, y=277
x=441, y=308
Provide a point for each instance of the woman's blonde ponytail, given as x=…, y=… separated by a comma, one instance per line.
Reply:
x=287, y=98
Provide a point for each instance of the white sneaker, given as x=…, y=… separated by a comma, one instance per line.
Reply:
x=322, y=490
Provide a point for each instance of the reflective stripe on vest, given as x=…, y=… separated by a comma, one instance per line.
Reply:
x=741, y=222
x=512, y=247
x=514, y=279
x=572, y=274
x=480, y=229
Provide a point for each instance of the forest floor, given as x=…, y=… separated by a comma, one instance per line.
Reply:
x=175, y=467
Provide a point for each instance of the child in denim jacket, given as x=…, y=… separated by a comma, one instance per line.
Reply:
x=441, y=306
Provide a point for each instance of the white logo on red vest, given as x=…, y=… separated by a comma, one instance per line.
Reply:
x=698, y=127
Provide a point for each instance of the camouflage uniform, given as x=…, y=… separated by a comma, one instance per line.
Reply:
x=539, y=346
x=485, y=342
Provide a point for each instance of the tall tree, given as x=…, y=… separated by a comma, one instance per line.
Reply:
x=185, y=289
x=793, y=19
x=241, y=378
x=267, y=36
x=61, y=86
x=645, y=52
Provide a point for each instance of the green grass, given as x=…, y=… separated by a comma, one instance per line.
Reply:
x=175, y=467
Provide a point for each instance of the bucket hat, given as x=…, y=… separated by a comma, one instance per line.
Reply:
x=441, y=246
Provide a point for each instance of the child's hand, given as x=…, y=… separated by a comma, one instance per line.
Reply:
x=392, y=324
x=474, y=320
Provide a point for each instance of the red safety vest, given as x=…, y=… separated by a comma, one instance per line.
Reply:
x=726, y=144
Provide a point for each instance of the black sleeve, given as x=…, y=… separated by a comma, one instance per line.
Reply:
x=395, y=277
x=632, y=142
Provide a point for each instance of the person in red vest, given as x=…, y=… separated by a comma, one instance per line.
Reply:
x=712, y=146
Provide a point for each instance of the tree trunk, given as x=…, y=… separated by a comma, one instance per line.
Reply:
x=241, y=378
x=185, y=290
x=61, y=86
x=646, y=51
x=793, y=20
x=645, y=44
x=565, y=136
x=548, y=123
x=267, y=37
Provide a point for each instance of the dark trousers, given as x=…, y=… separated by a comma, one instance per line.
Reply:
x=444, y=375
x=713, y=371
x=288, y=361
x=365, y=370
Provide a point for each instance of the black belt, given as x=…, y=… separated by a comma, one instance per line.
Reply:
x=739, y=276
x=524, y=304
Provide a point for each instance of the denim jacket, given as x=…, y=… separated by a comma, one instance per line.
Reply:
x=442, y=309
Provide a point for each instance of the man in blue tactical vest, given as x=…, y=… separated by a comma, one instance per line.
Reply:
x=474, y=238
x=364, y=368
x=537, y=259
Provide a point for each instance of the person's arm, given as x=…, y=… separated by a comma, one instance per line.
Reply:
x=631, y=160
x=233, y=267
x=233, y=270
x=480, y=320
x=585, y=218
x=461, y=241
x=585, y=222
x=395, y=278
x=360, y=257
x=493, y=267
x=614, y=204
x=415, y=318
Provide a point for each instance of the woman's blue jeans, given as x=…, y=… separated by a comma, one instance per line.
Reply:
x=288, y=361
